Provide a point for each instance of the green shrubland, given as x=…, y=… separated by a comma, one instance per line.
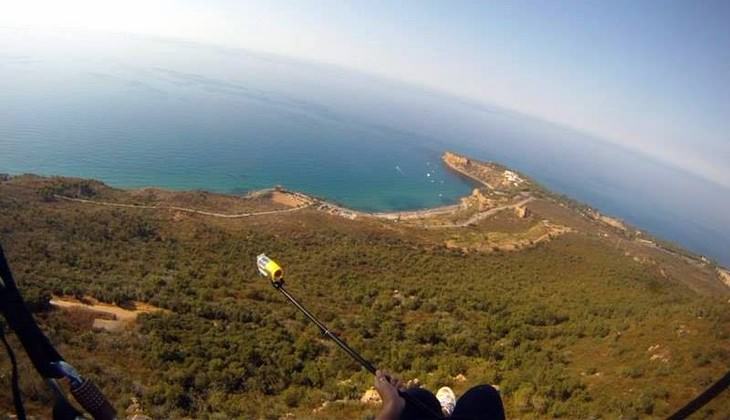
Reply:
x=563, y=328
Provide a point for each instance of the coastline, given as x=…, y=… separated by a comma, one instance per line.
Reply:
x=511, y=191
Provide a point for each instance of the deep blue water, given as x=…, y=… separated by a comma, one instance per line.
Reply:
x=137, y=112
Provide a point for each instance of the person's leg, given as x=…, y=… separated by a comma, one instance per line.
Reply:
x=479, y=403
x=412, y=412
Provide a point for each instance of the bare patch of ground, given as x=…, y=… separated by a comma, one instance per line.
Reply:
x=724, y=276
x=289, y=199
x=507, y=241
x=111, y=317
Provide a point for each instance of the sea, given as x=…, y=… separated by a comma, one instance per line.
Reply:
x=136, y=111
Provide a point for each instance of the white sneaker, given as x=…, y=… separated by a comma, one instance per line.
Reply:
x=447, y=399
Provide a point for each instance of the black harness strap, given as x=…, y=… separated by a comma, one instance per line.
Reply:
x=45, y=358
x=702, y=399
x=36, y=344
x=15, y=384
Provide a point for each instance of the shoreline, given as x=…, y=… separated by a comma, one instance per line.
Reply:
x=498, y=196
x=421, y=219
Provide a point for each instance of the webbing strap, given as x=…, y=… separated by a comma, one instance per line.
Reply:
x=702, y=399
x=36, y=344
x=5, y=275
x=14, y=381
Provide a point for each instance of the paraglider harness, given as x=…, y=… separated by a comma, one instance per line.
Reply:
x=46, y=360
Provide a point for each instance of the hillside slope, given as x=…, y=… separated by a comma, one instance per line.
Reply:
x=572, y=315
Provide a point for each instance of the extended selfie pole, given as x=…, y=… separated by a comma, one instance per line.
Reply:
x=270, y=269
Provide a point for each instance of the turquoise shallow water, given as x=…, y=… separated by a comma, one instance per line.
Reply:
x=176, y=131
x=137, y=112
x=207, y=140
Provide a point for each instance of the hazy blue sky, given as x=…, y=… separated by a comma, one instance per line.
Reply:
x=651, y=75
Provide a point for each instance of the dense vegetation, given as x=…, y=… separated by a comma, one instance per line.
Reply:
x=562, y=328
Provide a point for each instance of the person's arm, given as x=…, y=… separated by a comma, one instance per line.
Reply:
x=393, y=404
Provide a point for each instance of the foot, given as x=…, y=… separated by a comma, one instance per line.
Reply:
x=447, y=399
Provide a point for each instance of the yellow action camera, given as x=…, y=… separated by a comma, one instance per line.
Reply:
x=269, y=268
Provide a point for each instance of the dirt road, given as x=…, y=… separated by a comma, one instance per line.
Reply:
x=183, y=209
x=482, y=215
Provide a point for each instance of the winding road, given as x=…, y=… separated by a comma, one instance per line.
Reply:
x=184, y=209
x=483, y=215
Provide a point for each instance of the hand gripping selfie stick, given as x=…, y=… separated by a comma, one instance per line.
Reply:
x=270, y=269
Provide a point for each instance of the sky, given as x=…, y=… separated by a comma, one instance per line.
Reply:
x=651, y=76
